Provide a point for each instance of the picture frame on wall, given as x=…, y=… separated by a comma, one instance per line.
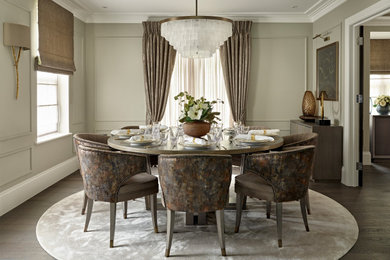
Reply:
x=327, y=72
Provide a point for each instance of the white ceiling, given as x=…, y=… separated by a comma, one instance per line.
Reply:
x=127, y=11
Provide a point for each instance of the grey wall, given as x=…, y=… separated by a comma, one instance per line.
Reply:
x=281, y=59
x=26, y=167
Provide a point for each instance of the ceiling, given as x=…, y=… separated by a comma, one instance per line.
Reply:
x=135, y=11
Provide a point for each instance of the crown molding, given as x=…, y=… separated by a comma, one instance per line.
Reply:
x=82, y=12
x=318, y=10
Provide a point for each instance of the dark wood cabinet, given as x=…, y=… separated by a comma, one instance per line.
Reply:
x=329, y=156
x=380, y=136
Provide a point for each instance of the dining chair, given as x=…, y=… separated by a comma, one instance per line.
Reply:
x=113, y=176
x=300, y=140
x=195, y=183
x=90, y=140
x=131, y=127
x=276, y=176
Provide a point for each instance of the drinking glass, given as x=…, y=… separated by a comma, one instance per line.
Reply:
x=156, y=130
x=173, y=134
x=244, y=129
x=148, y=130
x=237, y=127
x=163, y=137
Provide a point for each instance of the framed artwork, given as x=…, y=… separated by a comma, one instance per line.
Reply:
x=328, y=72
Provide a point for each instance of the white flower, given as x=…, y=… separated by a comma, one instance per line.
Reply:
x=382, y=103
x=203, y=106
x=195, y=113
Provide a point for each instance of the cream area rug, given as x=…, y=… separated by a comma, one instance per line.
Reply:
x=333, y=231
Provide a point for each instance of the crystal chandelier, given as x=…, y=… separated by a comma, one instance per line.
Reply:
x=196, y=36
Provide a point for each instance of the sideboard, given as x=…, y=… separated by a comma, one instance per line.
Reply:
x=380, y=136
x=329, y=153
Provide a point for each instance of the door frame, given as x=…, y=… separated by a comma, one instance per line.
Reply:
x=350, y=117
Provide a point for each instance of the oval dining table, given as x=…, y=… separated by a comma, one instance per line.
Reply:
x=224, y=147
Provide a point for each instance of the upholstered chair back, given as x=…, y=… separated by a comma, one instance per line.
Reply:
x=195, y=183
x=300, y=139
x=288, y=172
x=105, y=171
x=131, y=127
x=90, y=140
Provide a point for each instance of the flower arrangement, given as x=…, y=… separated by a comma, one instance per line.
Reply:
x=382, y=101
x=197, y=109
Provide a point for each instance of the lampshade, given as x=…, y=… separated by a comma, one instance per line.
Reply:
x=196, y=36
x=16, y=35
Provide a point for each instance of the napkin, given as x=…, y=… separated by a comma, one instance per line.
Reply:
x=194, y=140
x=138, y=138
x=254, y=137
x=264, y=132
x=125, y=132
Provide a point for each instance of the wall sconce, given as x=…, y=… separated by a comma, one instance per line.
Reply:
x=324, y=36
x=16, y=35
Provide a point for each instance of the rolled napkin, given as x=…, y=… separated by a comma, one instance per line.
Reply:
x=194, y=140
x=264, y=132
x=126, y=132
x=140, y=138
x=254, y=137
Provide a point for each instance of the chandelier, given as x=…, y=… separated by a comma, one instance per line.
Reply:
x=196, y=36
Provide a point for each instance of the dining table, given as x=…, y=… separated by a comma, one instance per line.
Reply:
x=225, y=147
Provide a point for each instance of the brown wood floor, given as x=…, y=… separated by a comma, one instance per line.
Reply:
x=370, y=205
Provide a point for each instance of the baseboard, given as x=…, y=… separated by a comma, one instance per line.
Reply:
x=366, y=158
x=23, y=191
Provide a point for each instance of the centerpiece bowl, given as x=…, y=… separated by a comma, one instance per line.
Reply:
x=196, y=128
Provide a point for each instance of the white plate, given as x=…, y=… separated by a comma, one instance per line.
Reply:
x=253, y=142
x=140, y=142
x=197, y=146
x=127, y=132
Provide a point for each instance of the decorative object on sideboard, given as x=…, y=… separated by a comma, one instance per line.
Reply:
x=382, y=104
x=327, y=71
x=308, y=104
x=196, y=36
x=16, y=36
x=322, y=120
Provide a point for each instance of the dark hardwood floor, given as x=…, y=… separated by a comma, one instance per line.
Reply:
x=370, y=205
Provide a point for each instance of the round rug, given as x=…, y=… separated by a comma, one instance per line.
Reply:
x=333, y=232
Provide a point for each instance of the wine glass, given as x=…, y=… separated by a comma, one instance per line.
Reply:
x=173, y=135
x=156, y=130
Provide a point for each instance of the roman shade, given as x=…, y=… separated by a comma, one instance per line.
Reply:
x=380, y=56
x=55, y=25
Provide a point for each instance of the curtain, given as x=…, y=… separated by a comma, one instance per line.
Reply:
x=158, y=61
x=235, y=59
x=55, y=25
x=201, y=78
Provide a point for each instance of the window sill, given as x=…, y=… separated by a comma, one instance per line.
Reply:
x=51, y=137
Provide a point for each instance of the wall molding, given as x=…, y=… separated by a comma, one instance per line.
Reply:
x=23, y=191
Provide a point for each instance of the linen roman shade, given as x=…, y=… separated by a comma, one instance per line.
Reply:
x=55, y=25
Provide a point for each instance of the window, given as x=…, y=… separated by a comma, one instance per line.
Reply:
x=52, y=104
x=200, y=77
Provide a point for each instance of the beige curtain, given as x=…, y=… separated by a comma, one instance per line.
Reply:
x=235, y=59
x=201, y=78
x=55, y=25
x=158, y=60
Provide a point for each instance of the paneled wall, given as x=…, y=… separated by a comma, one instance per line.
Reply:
x=26, y=167
x=116, y=95
x=279, y=75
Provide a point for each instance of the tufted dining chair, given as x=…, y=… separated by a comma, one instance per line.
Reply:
x=113, y=176
x=89, y=140
x=278, y=177
x=299, y=140
x=195, y=183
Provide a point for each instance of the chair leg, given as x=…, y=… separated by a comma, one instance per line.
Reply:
x=239, y=202
x=268, y=203
x=89, y=212
x=170, y=226
x=307, y=201
x=125, y=209
x=153, y=207
x=112, y=223
x=84, y=204
x=303, y=211
x=279, y=209
x=221, y=230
